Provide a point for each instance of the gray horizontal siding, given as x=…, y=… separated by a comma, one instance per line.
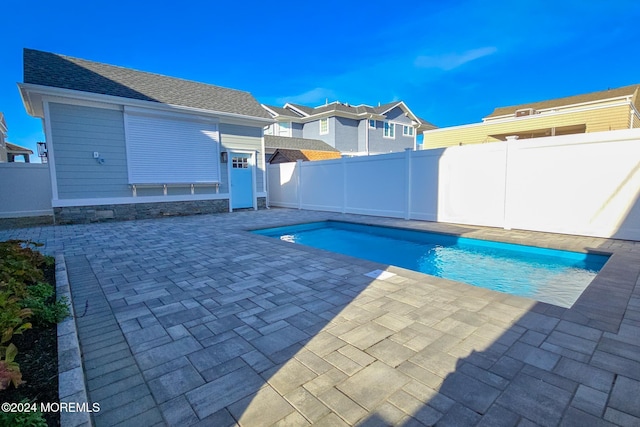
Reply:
x=311, y=130
x=76, y=132
x=297, y=130
x=346, y=134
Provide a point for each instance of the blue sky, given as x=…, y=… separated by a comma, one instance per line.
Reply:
x=452, y=62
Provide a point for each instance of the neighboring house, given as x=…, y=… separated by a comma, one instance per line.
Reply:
x=9, y=151
x=352, y=130
x=297, y=148
x=3, y=137
x=14, y=151
x=128, y=144
x=611, y=109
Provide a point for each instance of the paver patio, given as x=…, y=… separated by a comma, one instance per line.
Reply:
x=194, y=321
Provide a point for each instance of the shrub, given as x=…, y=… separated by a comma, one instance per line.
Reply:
x=20, y=262
x=46, y=311
x=12, y=314
x=24, y=296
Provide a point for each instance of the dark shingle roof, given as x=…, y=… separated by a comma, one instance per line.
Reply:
x=50, y=69
x=570, y=100
x=283, y=155
x=286, y=142
x=283, y=111
x=353, y=109
x=303, y=108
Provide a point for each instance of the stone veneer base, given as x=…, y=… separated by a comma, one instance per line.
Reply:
x=131, y=211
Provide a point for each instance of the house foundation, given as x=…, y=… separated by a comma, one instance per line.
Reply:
x=131, y=211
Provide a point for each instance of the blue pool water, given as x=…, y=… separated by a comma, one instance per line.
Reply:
x=548, y=275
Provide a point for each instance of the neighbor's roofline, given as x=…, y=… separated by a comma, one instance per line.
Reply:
x=579, y=104
x=347, y=114
x=511, y=118
x=27, y=89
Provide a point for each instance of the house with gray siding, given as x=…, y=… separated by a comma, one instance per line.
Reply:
x=127, y=144
x=352, y=130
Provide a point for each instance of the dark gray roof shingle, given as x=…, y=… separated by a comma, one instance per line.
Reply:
x=283, y=111
x=286, y=142
x=50, y=69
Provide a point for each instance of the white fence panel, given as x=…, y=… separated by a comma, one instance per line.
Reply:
x=586, y=184
x=471, y=184
x=424, y=184
x=283, y=185
x=25, y=190
x=376, y=185
x=322, y=185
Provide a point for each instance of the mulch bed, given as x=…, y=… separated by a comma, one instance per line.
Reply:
x=38, y=359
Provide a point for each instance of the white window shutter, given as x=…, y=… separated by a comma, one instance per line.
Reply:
x=162, y=150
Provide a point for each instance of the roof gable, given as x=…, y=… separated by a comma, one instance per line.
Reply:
x=16, y=149
x=279, y=111
x=630, y=91
x=358, y=112
x=53, y=70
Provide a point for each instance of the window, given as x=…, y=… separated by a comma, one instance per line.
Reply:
x=284, y=128
x=389, y=130
x=407, y=130
x=324, y=126
x=372, y=124
x=240, y=163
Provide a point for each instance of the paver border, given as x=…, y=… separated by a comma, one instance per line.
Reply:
x=71, y=378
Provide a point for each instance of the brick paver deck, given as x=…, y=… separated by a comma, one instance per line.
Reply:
x=194, y=321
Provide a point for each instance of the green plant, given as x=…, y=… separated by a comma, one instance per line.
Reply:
x=20, y=262
x=12, y=315
x=9, y=370
x=23, y=419
x=46, y=311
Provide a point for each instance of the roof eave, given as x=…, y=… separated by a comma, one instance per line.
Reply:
x=407, y=110
x=293, y=107
x=32, y=98
x=547, y=109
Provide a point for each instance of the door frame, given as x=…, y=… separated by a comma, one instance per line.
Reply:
x=252, y=166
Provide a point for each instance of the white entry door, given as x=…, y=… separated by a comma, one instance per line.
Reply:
x=241, y=180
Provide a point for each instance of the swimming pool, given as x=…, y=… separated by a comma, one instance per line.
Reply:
x=549, y=275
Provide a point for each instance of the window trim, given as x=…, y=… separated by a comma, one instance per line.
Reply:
x=409, y=129
x=287, y=127
x=320, y=132
x=389, y=130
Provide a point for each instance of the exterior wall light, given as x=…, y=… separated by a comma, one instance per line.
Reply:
x=223, y=157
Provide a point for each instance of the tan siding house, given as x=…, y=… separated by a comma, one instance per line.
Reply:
x=594, y=112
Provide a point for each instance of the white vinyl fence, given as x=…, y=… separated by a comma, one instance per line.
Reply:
x=586, y=184
x=25, y=190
